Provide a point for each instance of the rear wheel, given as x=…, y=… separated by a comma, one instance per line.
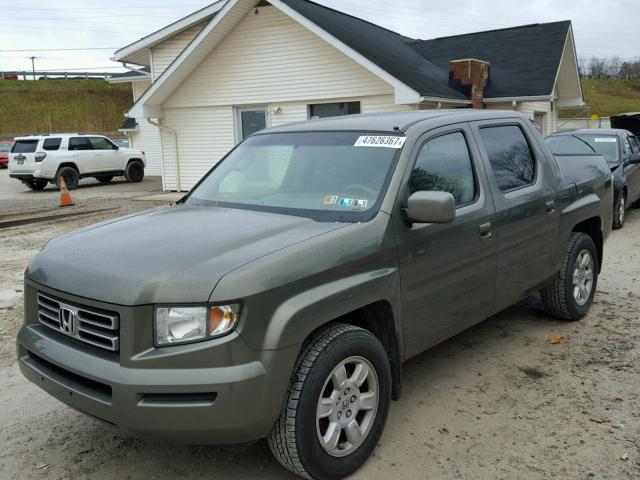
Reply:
x=336, y=405
x=134, y=171
x=619, y=211
x=70, y=175
x=36, y=184
x=570, y=293
x=105, y=178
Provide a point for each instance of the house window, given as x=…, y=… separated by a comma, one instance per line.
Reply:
x=321, y=110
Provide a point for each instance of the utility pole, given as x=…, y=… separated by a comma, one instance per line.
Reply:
x=33, y=66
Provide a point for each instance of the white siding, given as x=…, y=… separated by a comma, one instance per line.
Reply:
x=530, y=108
x=204, y=136
x=147, y=139
x=166, y=52
x=270, y=58
x=139, y=88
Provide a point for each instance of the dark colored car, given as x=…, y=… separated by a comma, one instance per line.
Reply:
x=280, y=297
x=5, y=148
x=620, y=148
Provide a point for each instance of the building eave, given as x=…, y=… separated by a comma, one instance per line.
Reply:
x=537, y=98
x=136, y=51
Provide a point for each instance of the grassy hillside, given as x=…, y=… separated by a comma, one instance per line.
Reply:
x=72, y=105
x=608, y=97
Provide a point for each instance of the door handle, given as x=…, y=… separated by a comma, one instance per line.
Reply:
x=484, y=231
x=550, y=207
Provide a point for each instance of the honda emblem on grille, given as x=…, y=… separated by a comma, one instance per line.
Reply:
x=67, y=318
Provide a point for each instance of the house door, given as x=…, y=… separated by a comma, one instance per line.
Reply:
x=250, y=120
x=541, y=119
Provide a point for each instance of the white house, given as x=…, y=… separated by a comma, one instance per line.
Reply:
x=235, y=67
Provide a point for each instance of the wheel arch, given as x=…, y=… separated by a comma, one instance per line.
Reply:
x=368, y=300
x=68, y=164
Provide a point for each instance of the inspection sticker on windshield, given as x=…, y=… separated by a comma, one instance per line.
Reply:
x=386, y=141
x=606, y=140
x=330, y=199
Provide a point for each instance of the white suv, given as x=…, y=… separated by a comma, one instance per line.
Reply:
x=40, y=159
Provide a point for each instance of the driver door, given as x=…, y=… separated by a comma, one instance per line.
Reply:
x=447, y=271
x=108, y=158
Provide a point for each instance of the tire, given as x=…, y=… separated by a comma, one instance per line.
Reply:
x=36, y=184
x=70, y=175
x=295, y=439
x=134, y=171
x=559, y=296
x=105, y=178
x=619, y=211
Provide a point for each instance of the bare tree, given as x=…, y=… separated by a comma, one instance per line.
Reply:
x=614, y=67
x=598, y=68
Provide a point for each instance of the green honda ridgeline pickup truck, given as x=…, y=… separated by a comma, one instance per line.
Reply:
x=281, y=295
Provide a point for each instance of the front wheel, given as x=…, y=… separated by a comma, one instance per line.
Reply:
x=134, y=171
x=336, y=406
x=570, y=293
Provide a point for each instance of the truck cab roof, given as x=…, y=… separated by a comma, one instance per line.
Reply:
x=392, y=122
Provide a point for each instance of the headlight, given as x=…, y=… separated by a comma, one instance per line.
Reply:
x=175, y=325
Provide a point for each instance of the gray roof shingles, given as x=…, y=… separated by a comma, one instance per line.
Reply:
x=524, y=60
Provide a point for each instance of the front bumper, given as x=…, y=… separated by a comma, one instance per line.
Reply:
x=235, y=401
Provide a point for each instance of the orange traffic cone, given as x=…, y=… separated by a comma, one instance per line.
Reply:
x=65, y=196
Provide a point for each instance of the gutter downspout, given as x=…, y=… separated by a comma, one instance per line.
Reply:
x=175, y=138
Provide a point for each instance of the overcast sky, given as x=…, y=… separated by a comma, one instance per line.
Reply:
x=43, y=28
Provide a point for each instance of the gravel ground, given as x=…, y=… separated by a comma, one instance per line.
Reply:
x=498, y=401
x=16, y=197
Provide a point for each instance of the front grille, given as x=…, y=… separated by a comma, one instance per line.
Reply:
x=95, y=327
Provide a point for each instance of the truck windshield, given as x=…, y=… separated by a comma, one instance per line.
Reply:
x=327, y=176
x=605, y=145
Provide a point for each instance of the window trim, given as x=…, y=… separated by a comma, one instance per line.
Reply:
x=474, y=169
x=310, y=105
x=534, y=156
x=237, y=119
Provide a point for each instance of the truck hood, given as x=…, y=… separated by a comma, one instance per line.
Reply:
x=173, y=254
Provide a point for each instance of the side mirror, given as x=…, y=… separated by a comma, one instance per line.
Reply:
x=431, y=207
x=634, y=159
x=116, y=147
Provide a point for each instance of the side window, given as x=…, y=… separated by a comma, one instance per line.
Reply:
x=444, y=164
x=101, y=143
x=79, y=143
x=510, y=156
x=51, y=143
x=627, y=148
x=635, y=148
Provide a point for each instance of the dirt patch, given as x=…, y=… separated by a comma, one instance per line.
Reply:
x=499, y=401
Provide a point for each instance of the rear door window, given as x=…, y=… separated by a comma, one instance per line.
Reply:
x=80, y=143
x=25, y=146
x=510, y=156
x=51, y=143
x=635, y=148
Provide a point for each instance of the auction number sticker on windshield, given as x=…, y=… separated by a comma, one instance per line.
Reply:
x=606, y=140
x=386, y=141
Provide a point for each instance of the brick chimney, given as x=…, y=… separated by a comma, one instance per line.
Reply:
x=470, y=76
